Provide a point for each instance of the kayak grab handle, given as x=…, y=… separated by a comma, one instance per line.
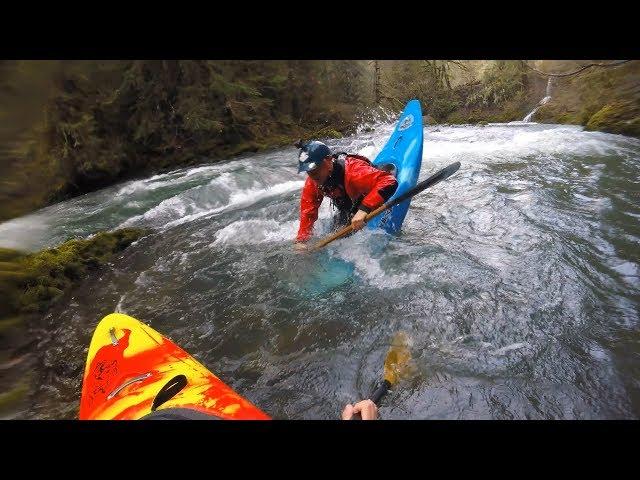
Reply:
x=139, y=378
x=114, y=339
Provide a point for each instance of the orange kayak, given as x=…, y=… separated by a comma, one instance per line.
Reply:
x=132, y=371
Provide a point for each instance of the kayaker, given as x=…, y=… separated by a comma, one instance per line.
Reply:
x=353, y=184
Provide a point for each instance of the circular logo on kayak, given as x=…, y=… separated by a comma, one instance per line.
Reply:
x=406, y=123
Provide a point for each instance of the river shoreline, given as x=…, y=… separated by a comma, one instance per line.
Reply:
x=503, y=275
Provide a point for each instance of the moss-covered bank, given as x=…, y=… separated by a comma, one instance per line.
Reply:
x=31, y=283
x=70, y=127
x=603, y=99
x=98, y=122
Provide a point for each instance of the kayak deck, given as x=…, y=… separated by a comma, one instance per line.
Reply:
x=404, y=151
x=132, y=370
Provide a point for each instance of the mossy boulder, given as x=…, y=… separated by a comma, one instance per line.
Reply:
x=605, y=99
x=30, y=283
x=331, y=133
x=618, y=117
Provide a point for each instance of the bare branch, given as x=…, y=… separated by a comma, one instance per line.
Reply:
x=614, y=64
x=459, y=64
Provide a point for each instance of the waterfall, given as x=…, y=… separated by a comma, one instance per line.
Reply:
x=540, y=103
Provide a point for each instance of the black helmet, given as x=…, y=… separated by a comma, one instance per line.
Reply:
x=311, y=155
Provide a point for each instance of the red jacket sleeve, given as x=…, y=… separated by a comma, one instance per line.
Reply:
x=310, y=202
x=376, y=185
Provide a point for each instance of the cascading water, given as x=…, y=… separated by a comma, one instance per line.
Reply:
x=517, y=280
x=540, y=103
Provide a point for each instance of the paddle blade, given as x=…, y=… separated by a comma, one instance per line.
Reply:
x=397, y=364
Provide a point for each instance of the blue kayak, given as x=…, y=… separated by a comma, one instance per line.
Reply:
x=404, y=151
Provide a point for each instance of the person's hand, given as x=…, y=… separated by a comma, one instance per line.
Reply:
x=357, y=222
x=300, y=247
x=366, y=408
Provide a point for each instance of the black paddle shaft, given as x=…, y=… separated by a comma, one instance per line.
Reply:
x=432, y=180
x=380, y=391
x=376, y=396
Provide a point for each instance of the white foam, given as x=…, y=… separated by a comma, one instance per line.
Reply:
x=367, y=267
x=142, y=186
x=627, y=269
x=197, y=170
x=508, y=348
x=119, y=307
x=501, y=141
x=196, y=199
x=23, y=233
x=243, y=199
x=171, y=179
x=255, y=231
x=171, y=207
x=369, y=151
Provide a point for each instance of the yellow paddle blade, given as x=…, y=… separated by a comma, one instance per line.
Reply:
x=397, y=364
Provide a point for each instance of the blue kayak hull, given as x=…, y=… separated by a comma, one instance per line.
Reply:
x=404, y=150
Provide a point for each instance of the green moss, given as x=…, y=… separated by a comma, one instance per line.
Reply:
x=618, y=117
x=91, y=124
x=37, y=280
x=331, y=133
x=101, y=122
x=602, y=99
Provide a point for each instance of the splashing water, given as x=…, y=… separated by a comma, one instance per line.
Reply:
x=546, y=99
x=517, y=280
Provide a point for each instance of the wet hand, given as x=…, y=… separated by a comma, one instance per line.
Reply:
x=357, y=222
x=366, y=408
x=300, y=247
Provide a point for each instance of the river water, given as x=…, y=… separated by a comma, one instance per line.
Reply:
x=516, y=280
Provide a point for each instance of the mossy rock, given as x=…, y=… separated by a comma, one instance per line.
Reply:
x=617, y=117
x=38, y=298
x=33, y=282
x=331, y=133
